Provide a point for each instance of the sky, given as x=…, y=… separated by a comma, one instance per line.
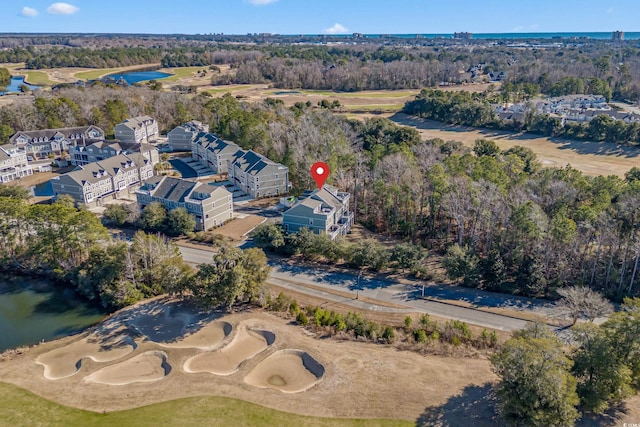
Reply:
x=318, y=16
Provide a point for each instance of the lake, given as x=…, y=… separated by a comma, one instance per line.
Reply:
x=14, y=86
x=132, y=77
x=31, y=310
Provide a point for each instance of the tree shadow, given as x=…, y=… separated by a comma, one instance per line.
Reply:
x=474, y=406
x=611, y=417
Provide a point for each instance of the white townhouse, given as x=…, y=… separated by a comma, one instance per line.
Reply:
x=13, y=163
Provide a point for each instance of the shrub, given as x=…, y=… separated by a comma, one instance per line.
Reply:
x=407, y=322
x=420, y=335
x=302, y=318
x=389, y=334
x=294, y=308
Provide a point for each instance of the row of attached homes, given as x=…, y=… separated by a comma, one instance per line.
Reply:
x=93, y=183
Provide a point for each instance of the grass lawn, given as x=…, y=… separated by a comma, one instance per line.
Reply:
x=22, y=408
x=96, y=74
x=231, y=88
x=385, y=108
x=366, y=94
x=181, y=72
x=38, y=78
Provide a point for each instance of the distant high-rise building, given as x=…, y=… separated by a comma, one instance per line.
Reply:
x=617, y=36
x=463, y=35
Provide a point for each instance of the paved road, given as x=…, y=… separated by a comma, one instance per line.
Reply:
x=401, y=294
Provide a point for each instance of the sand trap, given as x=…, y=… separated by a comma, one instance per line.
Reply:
x=290, y=371
x=246, y=344
x=146, y=367
x=67, y=361
x=180, y=329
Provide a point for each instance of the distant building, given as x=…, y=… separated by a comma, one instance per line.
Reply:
x=212, y=206
x=617, y=36
x=181, y=137
x=463, y=36
x=13, y=163
x=324, y=211
x=213, y=152
x=40, y=144
x=137, y=129
x=256, y=175
x=93, y=183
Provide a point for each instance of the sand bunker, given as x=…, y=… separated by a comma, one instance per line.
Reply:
x=246, y=344
x=146, y=367
x=67, y=361
x=290, y=371
x=180, y=329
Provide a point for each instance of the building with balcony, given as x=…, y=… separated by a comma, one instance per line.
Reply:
x=324, y=211
x=211, y=206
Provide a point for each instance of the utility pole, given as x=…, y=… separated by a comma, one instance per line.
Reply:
x=358, y=283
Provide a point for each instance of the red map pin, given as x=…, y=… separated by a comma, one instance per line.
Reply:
x=320, y=173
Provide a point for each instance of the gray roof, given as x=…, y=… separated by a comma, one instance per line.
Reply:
x=136, y=122
x=4, y=155
x=97, y=171
x=177, y=189
x=174, y=189
x=50, y=133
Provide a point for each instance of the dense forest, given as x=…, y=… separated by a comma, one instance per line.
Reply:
x=560, y=68
x=72, y=247
x=501, y=221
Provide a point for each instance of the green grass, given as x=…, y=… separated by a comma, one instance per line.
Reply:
x=38, y=78
x=22, y=408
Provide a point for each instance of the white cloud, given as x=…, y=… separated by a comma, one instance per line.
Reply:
x=260, y=2
x=62, y=9
x=29, y=12
x=336, y=29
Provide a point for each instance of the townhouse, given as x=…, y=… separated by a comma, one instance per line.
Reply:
x=213, y=152
x=137, y=129
x=41, y=144
x=13, y=163
x=324, y=211
x=210, y=205
x=256, y=175
x=101, y=150
x=182, y=137
x=92, y=184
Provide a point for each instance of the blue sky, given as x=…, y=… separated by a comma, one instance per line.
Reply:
x=318, y=16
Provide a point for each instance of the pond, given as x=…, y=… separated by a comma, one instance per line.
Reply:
x=139, y=76
x=32, y=310
x=14, y=86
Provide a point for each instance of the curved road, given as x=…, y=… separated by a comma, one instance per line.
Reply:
x=294, y=277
